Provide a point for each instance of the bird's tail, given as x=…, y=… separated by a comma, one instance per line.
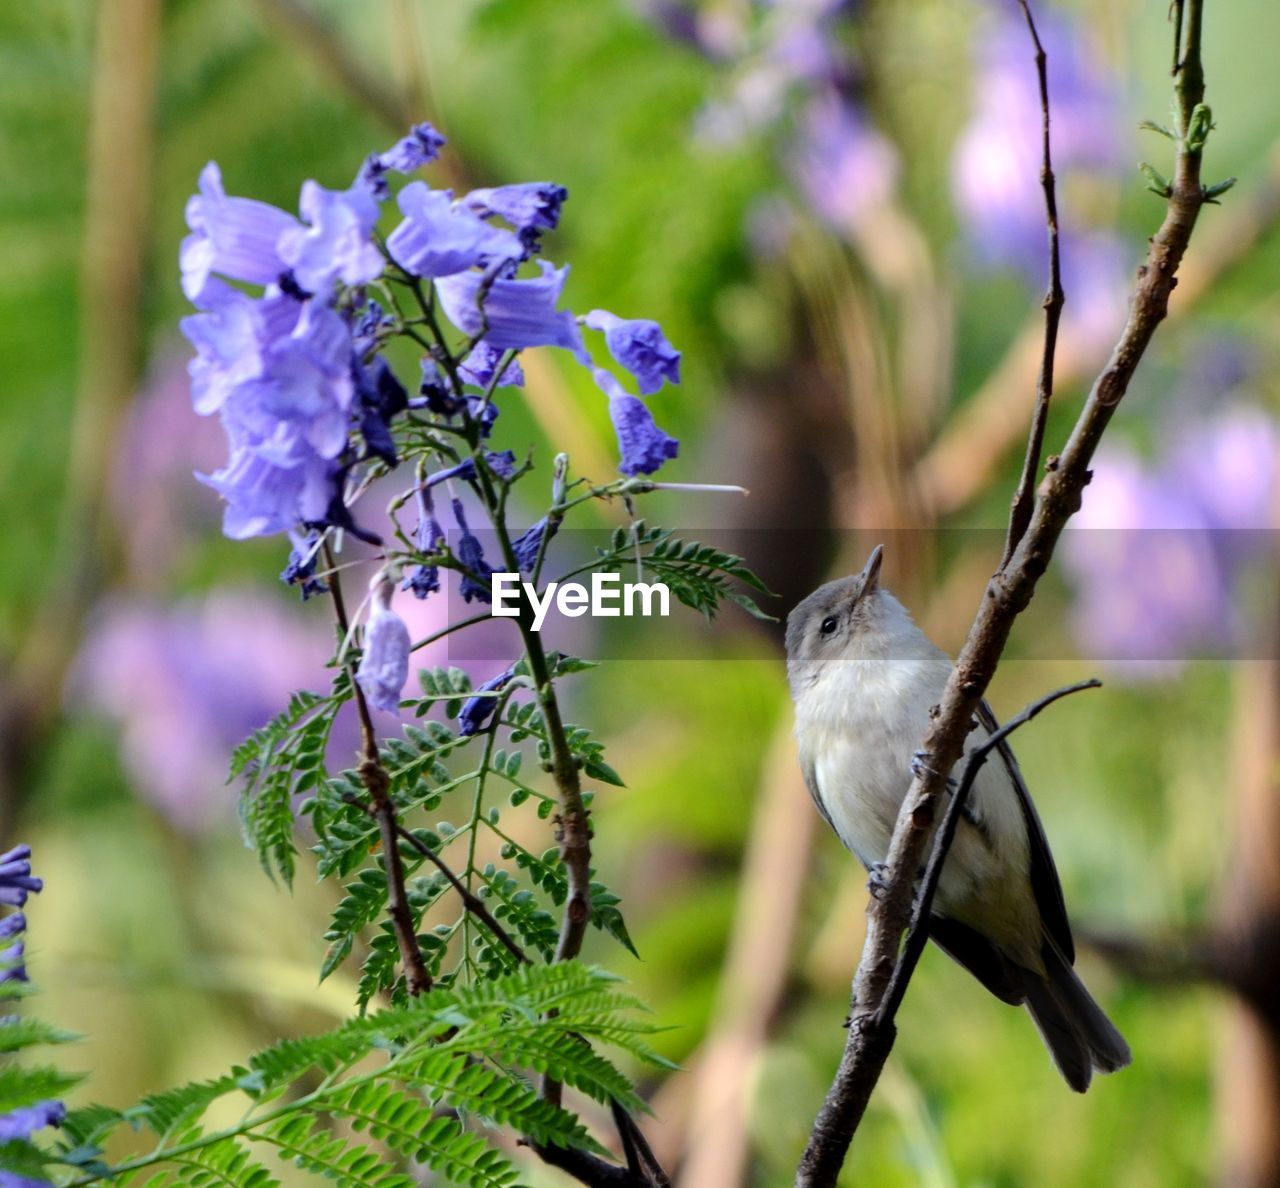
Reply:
x=1079, y=1036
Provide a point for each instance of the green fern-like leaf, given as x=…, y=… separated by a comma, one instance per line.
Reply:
x=224, y=1164
x=299, y=1139
x=19, y=1032
x=406, y=1124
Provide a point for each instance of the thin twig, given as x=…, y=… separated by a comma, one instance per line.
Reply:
x=1024, y=496
x=918, y=934
x=377, y=783
x=1008, y=593
x=472, y=902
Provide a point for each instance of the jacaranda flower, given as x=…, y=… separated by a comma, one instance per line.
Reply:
x=438, y=239
x=530, y=207
x=425, y=579
x=21, y=1123
x=644, y=446
x=384, y=666
x=301, y=568
x=640, y=346
x=263, y=498
x=517, y=313
x=16, y=879
x=380, y=396
x=419, y=148
x=337, y=244
x=478, y=708
x=528, y=544
x=477, y=571
x=236, y=237
x=480, y=365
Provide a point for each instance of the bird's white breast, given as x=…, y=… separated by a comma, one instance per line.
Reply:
x=858, y=725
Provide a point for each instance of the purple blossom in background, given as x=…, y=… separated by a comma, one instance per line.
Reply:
x=996, y=166
x=21, y=1123
x=640, y=346
x=384, y=665
x=235, y=237
x=644, y=446
x=477, y=710
x=337, y=244
x=437, y=239
x=1158, y=552
x=840, y=163
x=16, y=879
x=517, y=313
x=185, y=684
x=480, y=365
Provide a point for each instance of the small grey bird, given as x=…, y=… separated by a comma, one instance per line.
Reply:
x=864, y=677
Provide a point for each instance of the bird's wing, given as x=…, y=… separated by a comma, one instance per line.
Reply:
x=1044, y=875
x=811, y=782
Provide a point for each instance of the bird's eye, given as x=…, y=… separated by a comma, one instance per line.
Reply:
x=829, y=624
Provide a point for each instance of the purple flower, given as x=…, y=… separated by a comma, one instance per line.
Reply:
x=229, y=338
x=301, y=568
x=475, y=579
x=13, y=1180
x=425, y=579
x=437, y=239
x=380, y=397
x=23, y=1122
x=236, y=237
x=337, y=244
x=420, y=147
x=12, y=925
x=530, y=207
x=16, y=879
x=640, y=346
x=480, y=365
x=644, y=446
x=435, y=392
x=528, y=544
x=384, y=666
x=264, y=498
x=300, y=402
x=478, y=709
x=517, y=313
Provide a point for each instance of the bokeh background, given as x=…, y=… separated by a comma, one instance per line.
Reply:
x=833, y=209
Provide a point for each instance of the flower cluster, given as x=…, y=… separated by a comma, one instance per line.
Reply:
x=288, y=354
x=16, y=883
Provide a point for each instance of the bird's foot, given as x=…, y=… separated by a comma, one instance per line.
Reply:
x=878, y=879
x=921, y=766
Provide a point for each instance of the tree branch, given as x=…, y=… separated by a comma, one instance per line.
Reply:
x=1008, y=593
x=376, y=782
x=1024, y=496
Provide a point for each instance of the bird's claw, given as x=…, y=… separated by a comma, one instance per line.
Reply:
x=878, y=879
x=920, y=768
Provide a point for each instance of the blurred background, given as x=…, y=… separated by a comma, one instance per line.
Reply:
x=833, y=209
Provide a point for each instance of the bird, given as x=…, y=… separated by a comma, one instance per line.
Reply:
x=864, y=678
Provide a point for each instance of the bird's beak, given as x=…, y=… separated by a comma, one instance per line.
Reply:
x=871, y=571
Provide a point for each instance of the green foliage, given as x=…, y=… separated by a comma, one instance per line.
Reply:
x=699, y=575
x=465, y=1050
x=283, y=759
